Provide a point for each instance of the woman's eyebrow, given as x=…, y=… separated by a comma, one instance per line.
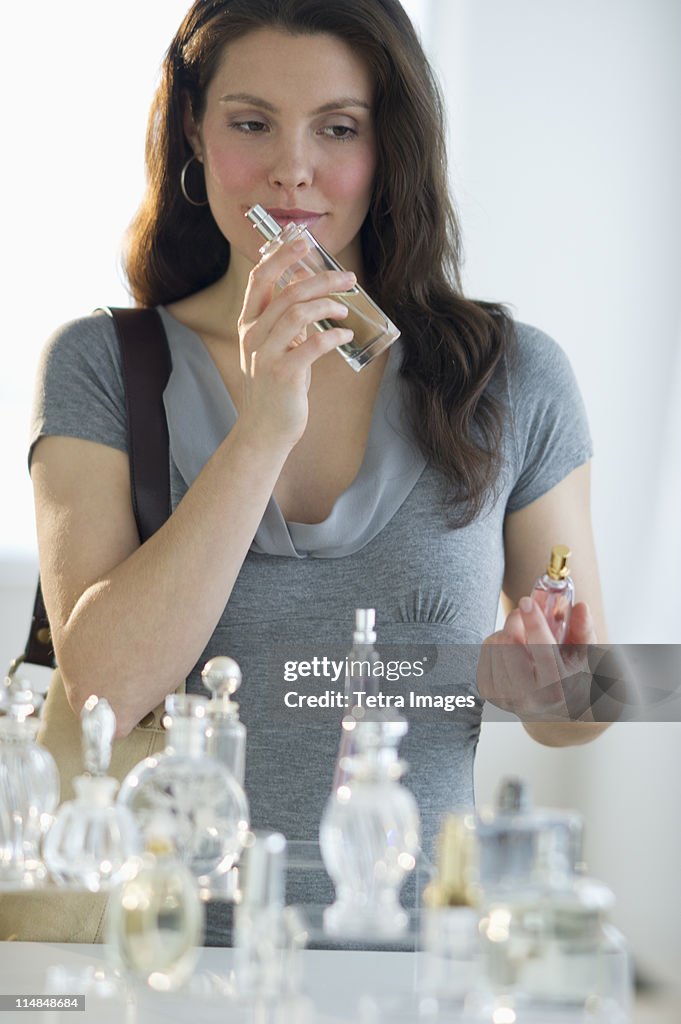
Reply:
x=257, y=101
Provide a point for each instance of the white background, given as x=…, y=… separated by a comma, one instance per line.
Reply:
x=565, y=164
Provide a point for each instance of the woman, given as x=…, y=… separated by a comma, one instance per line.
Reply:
x=438, y=476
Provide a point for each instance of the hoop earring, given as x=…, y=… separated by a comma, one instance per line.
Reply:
x=183, y=183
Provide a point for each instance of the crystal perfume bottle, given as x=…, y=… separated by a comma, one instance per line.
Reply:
x=554, y=592
x=227, y=734
x=358, y=678
x=206, y=804
x=370, y=836
x=92, y=838
x=373, y=331
x=547, y=943
x=155, y=919
x=29, y=789
x=449, y=922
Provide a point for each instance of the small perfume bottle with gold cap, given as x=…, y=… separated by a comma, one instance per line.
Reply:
x=554, y=592
x=449, y=920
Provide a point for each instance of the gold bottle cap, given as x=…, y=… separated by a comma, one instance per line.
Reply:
x=454, y=884
x=160, y=846
x=558, y=566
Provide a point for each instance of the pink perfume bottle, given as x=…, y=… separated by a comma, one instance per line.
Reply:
x=554, y=592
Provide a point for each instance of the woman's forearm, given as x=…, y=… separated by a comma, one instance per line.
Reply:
x=136, y=633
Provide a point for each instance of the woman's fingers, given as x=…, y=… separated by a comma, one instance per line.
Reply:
x=265, y=275
x=262, y=305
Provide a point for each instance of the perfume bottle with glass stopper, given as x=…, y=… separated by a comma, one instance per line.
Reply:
x=449, y=921
x=92, y=838
x=373, y=331
x=227, y=734
x=155, y=918
x=554, y=592
x=204, y=801
x=370, y=836
x=29, y=788
x=358, y=679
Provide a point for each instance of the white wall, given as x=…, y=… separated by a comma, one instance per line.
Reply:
x=565, y=151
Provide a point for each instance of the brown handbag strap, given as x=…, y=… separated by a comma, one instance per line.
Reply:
x=145, y=361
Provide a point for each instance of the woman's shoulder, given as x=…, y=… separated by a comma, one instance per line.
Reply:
x=535, y=347
x=537, y=364
x=86, y=341
x=79, y=389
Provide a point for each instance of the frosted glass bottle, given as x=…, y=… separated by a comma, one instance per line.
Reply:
x=373, y=331
x=548, y=945
x=29, y=789
x=155, y=918
x=206, y=804
x=554, y=592
x=227, y=734
x=92, y=837
x=370, y=836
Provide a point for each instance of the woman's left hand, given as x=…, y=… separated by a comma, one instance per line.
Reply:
x=523, y=670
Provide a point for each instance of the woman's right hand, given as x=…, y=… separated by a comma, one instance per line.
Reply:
x=278, y=345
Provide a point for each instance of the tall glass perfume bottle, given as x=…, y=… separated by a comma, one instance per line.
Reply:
x=206, y=804
x=373, y=331
x=29, y=789
x=358, y=678
x=227, y=734
x=155, y=919
x=370, y=836
x=554, y=592
x=92, y=838
x=449, y=922
x=267, y=934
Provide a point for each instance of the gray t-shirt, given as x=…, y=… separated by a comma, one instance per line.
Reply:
x=386, y=545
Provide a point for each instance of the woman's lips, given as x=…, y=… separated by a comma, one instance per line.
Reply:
x=284, y=217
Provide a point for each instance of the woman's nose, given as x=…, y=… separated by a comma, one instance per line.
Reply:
x=292, y=167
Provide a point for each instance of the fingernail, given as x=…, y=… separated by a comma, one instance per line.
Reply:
x=300, y=245
x=526, y=605
x=349, y=277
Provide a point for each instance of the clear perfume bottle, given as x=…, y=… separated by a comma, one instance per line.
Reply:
x=373, y=331
x=554, y=592
x=92, y=838
x=206, y=804
x=358, y=679
x=155, y=918
x=29, y=789
x=267, y=934
x=370, y=836
x=227, y=734
x=547, y=942
x=449, y=921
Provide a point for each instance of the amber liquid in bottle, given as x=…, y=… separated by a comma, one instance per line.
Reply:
x=373, y=331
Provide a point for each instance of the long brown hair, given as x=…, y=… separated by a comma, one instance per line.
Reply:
x=411, y=240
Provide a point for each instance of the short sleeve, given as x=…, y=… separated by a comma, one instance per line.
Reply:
x=550, y=425
x=79, y=389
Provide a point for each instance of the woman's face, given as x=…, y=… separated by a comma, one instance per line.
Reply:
x=288, y=124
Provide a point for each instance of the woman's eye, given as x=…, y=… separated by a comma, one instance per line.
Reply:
x=342, y=132
x=248, y=127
